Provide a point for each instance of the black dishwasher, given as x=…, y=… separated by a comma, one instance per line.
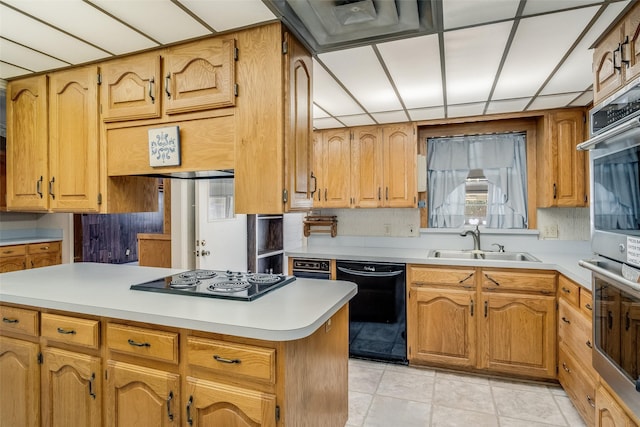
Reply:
x=377, y=314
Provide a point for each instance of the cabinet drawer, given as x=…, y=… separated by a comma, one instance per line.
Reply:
x=19, y=320
x=586, y=303
x=71, y=330
x=233, y=359
x=578, y=384
x=149, y=343
x=569, y=290
x=543, y=282
x=15, y=250
x=46, y=247
x=574, y=330
x=451, y=276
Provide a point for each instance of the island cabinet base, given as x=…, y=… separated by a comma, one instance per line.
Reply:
x=126, y=372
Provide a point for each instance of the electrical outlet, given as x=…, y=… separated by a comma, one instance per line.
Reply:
x=387, y=229
x=550, y=231
x=127, y=252
x=412, y=229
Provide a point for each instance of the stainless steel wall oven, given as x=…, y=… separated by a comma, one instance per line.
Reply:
x=614, y=152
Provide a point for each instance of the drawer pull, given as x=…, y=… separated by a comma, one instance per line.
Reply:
x=189, y=403
x=169, y=399
x=588, y=343
x=491, y=279
x=466, y=278
x=7, y=252
x=471, y=308
x=588, y=307
x=565, y=320
x=564, y=366
x=91, y=380
x=565, y=290
x=7, y=320
x=138, y=344
x=225, y=360
x=66, y=331
x=591, y=402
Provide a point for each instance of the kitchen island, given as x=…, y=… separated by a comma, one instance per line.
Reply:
x=280, y=360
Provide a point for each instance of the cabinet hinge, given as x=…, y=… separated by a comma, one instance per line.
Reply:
x=40, y=359
x=106, y=374
x=584, y=118
x=235, y=89
x=236, y=53
x=277, y=413
x=285, y=47
x=285, y=196
x=99, y=79
x=99, y=198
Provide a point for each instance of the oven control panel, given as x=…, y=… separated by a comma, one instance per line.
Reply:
x=320, y=265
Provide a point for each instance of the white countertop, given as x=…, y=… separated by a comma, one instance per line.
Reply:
x=565, y=263
x=291, y=312
x=27, y=240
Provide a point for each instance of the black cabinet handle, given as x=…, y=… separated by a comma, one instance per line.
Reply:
x=588, y=307
x=91, y=380
x=151, y=85
x=66, y=331
x=225, y=360
x=491, y=279
x=7, y=320
x=39, y=187
x=565, y=290
x=167, y=80
x=471, y=308
x=555, y=190
x=486, y=308
x=315, y=184
x=169, y=399
x=138, y=344
x=565, y=320
x=51, y=193
x=588, y=343
x=466, y=278
x=189, y=403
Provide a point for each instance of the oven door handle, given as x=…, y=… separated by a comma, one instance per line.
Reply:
x=609, y=275
x=371, y=273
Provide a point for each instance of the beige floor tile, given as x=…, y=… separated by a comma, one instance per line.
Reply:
x=457, y=376
x=463, y=395
x=390, y=412
x=514, y=422
x=569, y=411
x=408, y=386
x=443, y=416
x=527, y=405
x=520, y=385
x=358, y=406
x=425, y=372
x=364, y=379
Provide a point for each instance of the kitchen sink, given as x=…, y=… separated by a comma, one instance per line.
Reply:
x=489, y=256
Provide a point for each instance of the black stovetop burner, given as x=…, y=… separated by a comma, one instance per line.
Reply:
x=217, y=284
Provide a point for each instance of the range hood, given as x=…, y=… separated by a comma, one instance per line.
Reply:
x=326, y=25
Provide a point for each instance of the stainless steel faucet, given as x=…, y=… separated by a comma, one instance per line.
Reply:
x=476, y=237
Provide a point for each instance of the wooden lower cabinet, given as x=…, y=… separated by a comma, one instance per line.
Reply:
x=71, y=389
x=34, y=255
x=19, y=405
x=212, y=404
x=608, y=411
x=140, y=396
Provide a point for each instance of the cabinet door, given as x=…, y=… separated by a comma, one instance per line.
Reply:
x=517, y=334
x=318, y=170
x=400, y=153
x=131, y=88
x=632, y=53
x=138, y=396
x=20, y=391
x=337, y=171
x=298, y=115
x=13, y=263
x=27, y=144
x=441, y=326
x=367, y=167
x=71, y=389
x=200, y=76
x=608, y=412
x=607, y=78
x=212, y=404
x=43, y=260
x=73, y=126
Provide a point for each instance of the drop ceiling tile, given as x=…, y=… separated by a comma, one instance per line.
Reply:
x=427, y=113
x=327, y=123
x=414, y=65
x=461, y=13
x=8, y=71
x=583, y=100
x=328, y=94
x=161, y=20
x=87, y=23
x=472, y=58
x=358, y=120
x=44, y=38
x=552, y=101
x=319, y=113
x=225, y=15
x=360, y=71
x=534, y=54
x=576, y=74
x=17, y=54
x=464, y=110
x=507, y=105
x=542, y=6
x=391, y=117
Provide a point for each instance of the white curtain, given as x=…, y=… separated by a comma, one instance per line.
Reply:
x=502, y=157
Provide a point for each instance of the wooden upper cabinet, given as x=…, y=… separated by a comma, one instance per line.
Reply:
x=199, y=76
x=27, y=144
x=562, y=174
x=74, y=142
x=317, y=169
x=400, y=157
x=336, y=152
x=616, y=58
x=131, y=88
x=367, y=167
x=298, y=115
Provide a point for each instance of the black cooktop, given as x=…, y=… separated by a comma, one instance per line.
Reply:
x=217, y=284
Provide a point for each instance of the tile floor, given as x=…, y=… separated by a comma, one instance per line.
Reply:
x=389, y=395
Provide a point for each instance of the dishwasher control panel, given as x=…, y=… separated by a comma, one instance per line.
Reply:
x=320, y=265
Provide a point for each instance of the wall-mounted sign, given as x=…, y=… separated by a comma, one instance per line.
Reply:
x=164, y=146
